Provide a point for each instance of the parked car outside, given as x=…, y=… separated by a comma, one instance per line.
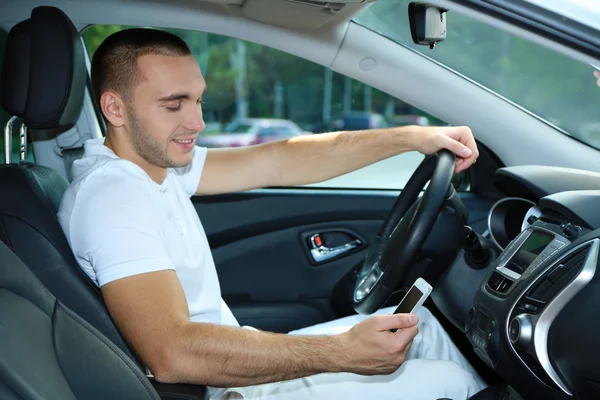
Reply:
x=408, y=119
x=251, y=131
x=361, y=120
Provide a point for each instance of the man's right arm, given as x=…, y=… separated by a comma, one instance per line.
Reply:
x=151, y=312
x=115, y=226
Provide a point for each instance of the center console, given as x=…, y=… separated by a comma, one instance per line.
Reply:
x=524, y=255
x=532, y=280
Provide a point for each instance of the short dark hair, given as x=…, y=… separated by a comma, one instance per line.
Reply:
x=114, y=64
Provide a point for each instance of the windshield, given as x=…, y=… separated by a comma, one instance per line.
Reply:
x=556, y=88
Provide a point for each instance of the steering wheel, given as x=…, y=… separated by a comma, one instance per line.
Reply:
x=403, y=233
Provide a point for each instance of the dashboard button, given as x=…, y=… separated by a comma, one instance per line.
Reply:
x=544, y=255
x=531, y=308
x=560, y=244
x=532, y=219
x=534, y=265
x=480, y=342
x=552, y=247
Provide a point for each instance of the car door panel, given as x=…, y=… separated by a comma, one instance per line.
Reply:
x=278, y=266
x=259, y=243
x=275, y=268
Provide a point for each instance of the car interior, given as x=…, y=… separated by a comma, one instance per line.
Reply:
x=510, y=246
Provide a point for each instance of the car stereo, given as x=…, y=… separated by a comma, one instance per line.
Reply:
x=524, y=254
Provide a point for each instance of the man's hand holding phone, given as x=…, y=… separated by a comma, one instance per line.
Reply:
x=373, y=350
x=379, y=344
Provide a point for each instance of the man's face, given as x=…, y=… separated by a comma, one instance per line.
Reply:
x=165, y=111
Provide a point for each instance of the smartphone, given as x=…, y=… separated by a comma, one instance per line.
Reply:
x=414, y=298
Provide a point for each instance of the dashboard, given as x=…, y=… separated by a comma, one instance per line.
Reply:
x=534, y=278
x=534, y=313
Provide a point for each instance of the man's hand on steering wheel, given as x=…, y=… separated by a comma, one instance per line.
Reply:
x=457, y=139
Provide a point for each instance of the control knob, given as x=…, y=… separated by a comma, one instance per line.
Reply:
x=570, y=230
x=520, y=330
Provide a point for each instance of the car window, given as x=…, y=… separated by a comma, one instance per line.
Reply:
x=249, y=80
x=286, y=131
x=268, y=131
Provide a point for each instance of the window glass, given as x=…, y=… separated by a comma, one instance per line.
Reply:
x=265, y=132
x=257, y=94
x=558, y=89
x=284, y=130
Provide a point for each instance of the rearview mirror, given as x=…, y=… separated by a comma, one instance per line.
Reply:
x=427, y=23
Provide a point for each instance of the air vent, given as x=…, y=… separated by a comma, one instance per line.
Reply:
x=576, y=259
x=556, y=278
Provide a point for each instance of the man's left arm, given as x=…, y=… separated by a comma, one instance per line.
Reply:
x=314, y=158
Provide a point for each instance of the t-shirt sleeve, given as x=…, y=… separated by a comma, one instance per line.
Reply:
x=189, y=176
x=115, y=226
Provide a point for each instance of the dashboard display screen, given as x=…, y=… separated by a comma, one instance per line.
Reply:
x=529, y=250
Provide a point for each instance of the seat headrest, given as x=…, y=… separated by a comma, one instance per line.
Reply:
x=44, y=73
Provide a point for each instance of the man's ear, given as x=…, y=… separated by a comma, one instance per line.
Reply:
x=113, y=108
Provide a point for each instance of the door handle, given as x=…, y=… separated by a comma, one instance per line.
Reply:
x=320, y=252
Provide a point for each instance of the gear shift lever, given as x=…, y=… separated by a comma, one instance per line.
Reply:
x=476, y=255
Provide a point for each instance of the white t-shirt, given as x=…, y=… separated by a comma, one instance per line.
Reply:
x=119, y=223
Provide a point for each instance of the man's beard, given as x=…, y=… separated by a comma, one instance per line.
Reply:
x=148, y=147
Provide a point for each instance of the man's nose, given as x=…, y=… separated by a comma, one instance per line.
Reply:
x=195, y=121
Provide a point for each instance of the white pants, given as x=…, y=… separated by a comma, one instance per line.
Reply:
x=434, y=368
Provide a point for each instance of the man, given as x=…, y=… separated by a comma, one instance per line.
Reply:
x=133, y=229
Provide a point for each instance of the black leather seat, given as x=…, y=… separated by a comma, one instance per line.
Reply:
x=43, y=82
x=48, y=352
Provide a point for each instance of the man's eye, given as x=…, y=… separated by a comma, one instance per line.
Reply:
x=173, y=109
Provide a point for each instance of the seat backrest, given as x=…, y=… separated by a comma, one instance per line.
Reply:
x=48, y=352
x=43, y=82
